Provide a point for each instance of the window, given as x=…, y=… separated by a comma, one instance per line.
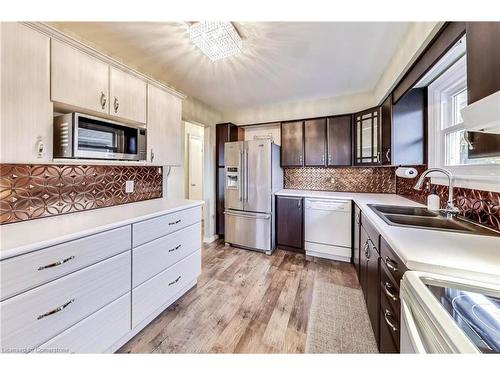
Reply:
x=448, y=147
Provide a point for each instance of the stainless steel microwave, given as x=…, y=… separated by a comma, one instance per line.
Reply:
x=77, y=135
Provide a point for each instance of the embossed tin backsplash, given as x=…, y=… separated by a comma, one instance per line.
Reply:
x=358, y=179
x=477, y=205
x=34, y=191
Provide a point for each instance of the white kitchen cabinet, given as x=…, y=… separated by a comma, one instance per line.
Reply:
x=26, y=109
x=78, y=79
x=128, y=96
x=164, y=127
x=112, y=322
x=31, y=318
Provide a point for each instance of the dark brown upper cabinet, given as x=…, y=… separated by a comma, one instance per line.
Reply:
x=315, y=142
x=386, y=132
x=409, y=121
x=339, y=141
x=483, y=59
x=367, y=137
x=292, y=144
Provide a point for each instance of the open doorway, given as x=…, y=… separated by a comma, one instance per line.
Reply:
x=194, y=162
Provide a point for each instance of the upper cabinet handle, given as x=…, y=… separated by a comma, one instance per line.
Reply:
x=117, y=104
x=388, y=155
x=103, y=100
x=152, y=155
x=58, y=263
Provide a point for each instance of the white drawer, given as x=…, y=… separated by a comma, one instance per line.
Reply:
x=96, y=333
x=157, y=255
x=154, y=293
x=27, y=271
x=151, y=229
x=26, y=320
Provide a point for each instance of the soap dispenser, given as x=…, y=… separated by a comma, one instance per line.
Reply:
x=433, y=201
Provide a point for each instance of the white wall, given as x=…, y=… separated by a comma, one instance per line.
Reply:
x=416, y=39
x=199, y=113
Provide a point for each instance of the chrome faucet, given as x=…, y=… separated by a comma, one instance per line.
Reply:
x=451, y=211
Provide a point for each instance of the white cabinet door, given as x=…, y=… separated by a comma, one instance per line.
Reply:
x=26, y=110
x=77, y=79
x=164, y=127
x=128, y=96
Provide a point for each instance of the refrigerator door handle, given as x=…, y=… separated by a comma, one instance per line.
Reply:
x=250, y=216
x=240, y=183
x=246, y=174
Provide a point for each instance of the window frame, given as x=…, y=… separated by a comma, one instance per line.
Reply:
x=475, y=176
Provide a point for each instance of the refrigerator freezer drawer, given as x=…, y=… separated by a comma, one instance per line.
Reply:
x=249, y=230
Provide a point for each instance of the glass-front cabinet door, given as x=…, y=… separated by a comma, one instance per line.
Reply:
x=367, y=137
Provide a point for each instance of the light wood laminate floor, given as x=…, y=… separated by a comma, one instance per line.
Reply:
x=245, y=302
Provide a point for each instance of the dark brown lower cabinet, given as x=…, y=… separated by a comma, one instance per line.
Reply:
x=355, y=238
x=290, y=223
x=369, y=275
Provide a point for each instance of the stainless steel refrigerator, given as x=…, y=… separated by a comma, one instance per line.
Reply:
x=253, y=175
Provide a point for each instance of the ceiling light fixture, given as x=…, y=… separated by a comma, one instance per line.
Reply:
x=217, y=40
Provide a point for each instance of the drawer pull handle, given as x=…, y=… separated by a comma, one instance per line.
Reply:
x=390, y=264
x=175, y=281
x=387, y=288
x=387, y=317
x=175, y=248
x=174, y=222
x=56, y=310
x=56, y=263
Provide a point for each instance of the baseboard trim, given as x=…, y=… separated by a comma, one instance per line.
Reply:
x=317, y=254
x=210, y=239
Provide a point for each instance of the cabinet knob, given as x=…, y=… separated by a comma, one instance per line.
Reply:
x=117, y=104
x=103, y=100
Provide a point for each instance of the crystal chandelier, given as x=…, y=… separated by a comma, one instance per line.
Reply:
x=217, y=40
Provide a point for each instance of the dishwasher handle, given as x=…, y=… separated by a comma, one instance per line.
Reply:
x=328, y=205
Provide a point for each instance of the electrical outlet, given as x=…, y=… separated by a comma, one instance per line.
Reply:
x=129, y=186
x=332, y=180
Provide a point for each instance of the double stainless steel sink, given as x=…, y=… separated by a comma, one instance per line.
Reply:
x=418, y=217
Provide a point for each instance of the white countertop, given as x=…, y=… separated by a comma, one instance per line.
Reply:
x=461, y=255
x=23, y=237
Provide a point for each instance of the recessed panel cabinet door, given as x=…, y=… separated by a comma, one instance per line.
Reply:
x=128, y=96
x=26, y=114
x=164, y=127
x=315, y=142
x=339, y=141
x=292, y=144
x=290, y=222
x=78, y=79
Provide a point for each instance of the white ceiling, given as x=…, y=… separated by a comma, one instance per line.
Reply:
x=281, y=61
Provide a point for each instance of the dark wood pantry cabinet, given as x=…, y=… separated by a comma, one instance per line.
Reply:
x=290, y=223
x=292, y=144
x=339, y=141
x=315, y=142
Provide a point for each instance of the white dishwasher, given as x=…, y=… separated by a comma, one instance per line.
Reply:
x=328, y=229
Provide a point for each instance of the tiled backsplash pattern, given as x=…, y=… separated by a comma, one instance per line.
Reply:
x=34, y=191
x=358, y=179
x=477, y=205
